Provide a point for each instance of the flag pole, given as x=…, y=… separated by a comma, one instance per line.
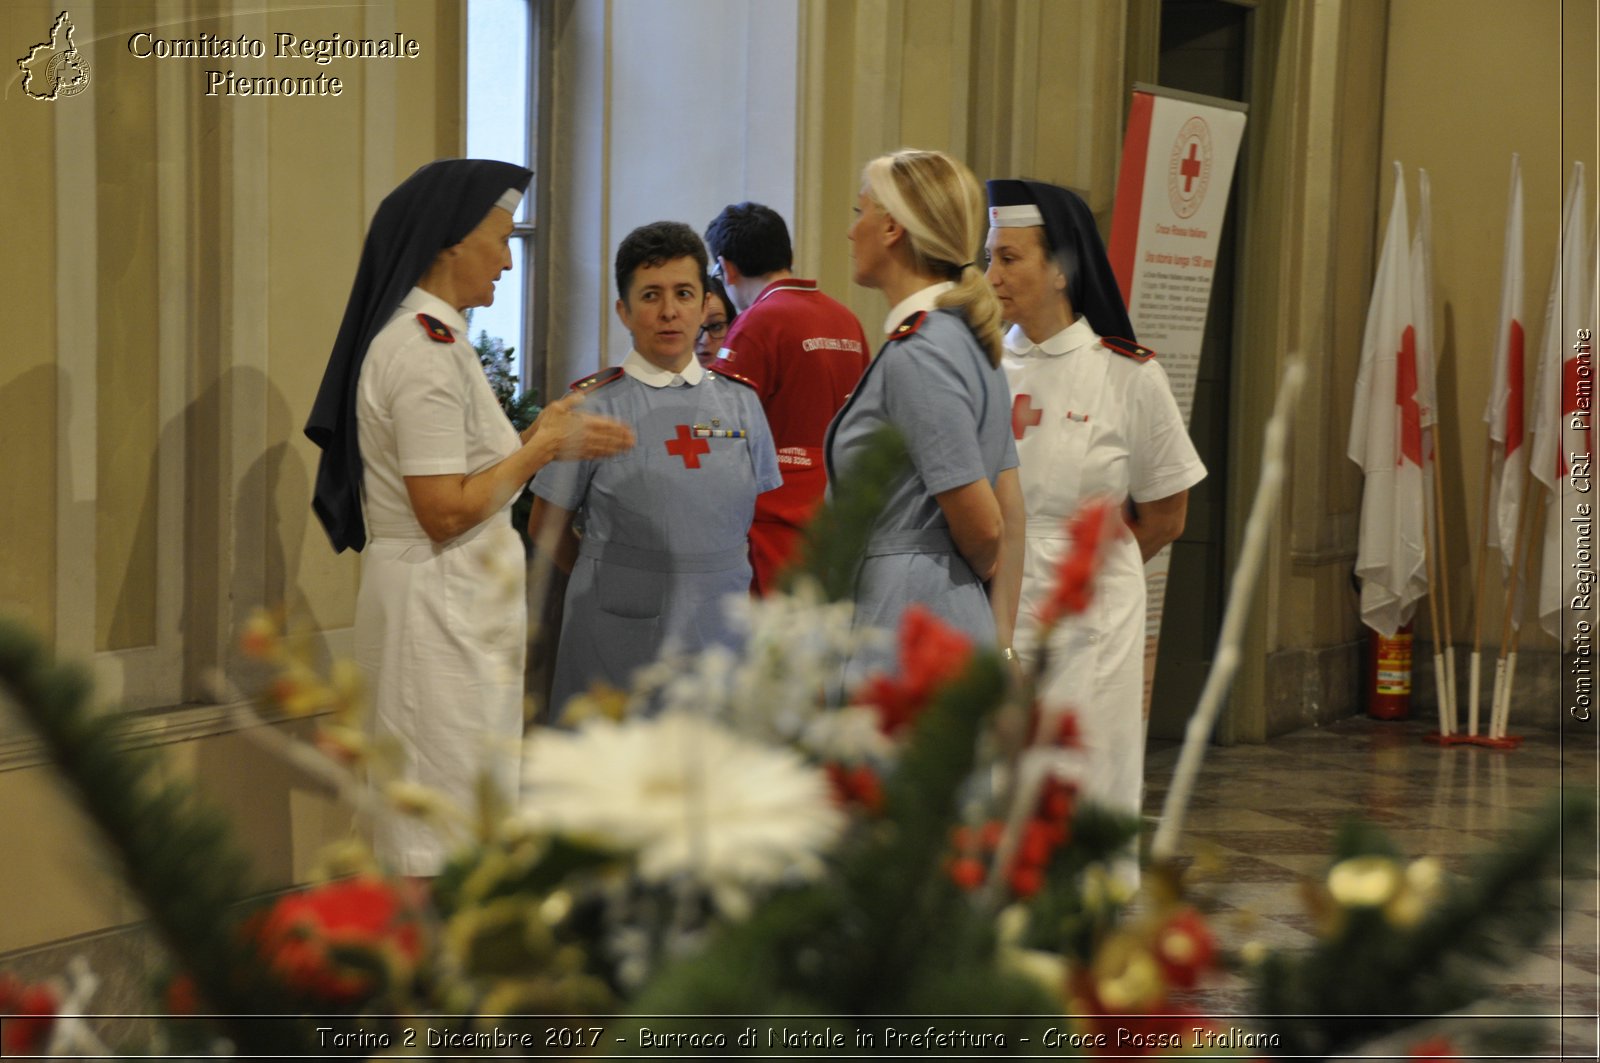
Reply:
x=1505, y=665
x=1440, y=682
x=1477, y=597
x=1535, y=526
x=1444, y=581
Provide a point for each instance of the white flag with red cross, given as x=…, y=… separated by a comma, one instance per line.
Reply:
x=1505, y=410
x=1386, y=438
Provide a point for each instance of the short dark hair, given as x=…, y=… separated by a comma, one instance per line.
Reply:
x=751, y=236
x=715, y=287
x=654, y=245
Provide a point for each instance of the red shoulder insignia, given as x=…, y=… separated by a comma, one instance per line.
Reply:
x=597, y=380
x=908, y=326
x=437, y=330
x=1127, y=348
x=746, y=381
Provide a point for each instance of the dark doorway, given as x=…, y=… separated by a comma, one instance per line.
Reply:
x=1205, y=47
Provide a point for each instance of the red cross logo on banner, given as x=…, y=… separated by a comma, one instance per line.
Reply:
x=687, y=447
x=1190, y=167
x=1023, y=415
x=1405, y=397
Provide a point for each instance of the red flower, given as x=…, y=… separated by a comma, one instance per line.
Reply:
x=182, y=998
x=1037, y=842
x=859, y=785
x=1185, y=948
x=931, y=654
x=1088, y=529
x=966, y=872
x=1026, y=880
x=1056, y=801
x=1434, y=1050
x=300, y=934
x=29, y=1015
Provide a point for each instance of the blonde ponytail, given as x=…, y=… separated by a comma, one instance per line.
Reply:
x=939, y=203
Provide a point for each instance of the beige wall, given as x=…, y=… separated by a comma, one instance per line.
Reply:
x=963, y=76
x=178, y=266
x=29, y=379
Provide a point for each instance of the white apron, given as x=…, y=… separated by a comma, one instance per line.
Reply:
x=1073, y=448
x=440, y=629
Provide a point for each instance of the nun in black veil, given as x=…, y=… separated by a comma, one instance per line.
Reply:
x=420, y=467
x=1094, y=418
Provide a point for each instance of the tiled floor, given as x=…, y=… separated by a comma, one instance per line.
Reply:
x=1263, y=819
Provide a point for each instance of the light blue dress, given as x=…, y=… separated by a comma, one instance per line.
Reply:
x=664, y=527
x=935, y=384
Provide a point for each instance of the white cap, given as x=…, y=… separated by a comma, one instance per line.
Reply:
x=509, y=200
x=1015, y=217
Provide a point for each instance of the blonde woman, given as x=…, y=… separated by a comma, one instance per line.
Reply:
x=950, y=537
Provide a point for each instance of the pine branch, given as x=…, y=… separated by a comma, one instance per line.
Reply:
x=1372, y=974
x=836, y=539
x=176, y=857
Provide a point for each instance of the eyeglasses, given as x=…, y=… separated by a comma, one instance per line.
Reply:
x=716, y=269
x=715, y=329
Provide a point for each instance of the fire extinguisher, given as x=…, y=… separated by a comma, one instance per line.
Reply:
x=1389, y=674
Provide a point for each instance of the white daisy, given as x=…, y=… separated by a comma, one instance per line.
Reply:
x=685, y=795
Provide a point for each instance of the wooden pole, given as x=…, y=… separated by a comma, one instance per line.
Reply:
x=1441, y=684
x=1508, y=623
x=1477, y=596
x=1535, y=526
x=1444, y=578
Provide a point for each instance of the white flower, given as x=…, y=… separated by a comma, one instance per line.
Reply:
x=848, y=735
x=685, y=795
x=794, y=653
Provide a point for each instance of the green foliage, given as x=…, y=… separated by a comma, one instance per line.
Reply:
x=500, y=366
x=1368, y=976
x=837, y=536
x=521, y=408
x=888, y=933
x=1062, y=918
x=175, y=854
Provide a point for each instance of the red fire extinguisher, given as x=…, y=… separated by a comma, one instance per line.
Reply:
x=1389, y=674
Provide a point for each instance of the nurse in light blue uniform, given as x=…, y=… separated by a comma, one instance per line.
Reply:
x=656, y=538
x=950, y=536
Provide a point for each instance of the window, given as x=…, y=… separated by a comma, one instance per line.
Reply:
x=501, y=112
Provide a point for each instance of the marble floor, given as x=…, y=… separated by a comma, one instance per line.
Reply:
x=1263, y=819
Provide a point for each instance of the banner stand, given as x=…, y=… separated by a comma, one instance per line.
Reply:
x=1173, y=184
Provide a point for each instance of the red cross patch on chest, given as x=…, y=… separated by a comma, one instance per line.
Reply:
x=687, y=447
x=1024, y=415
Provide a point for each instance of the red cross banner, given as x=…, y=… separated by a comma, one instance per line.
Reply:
x=1386, y=437
x=1176, y=173
x=1505, y=409
x=1172, y=197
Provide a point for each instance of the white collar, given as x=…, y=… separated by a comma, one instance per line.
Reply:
x=644, y=371
x=919, y=300
x=419, y=301
x=1078, y=334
